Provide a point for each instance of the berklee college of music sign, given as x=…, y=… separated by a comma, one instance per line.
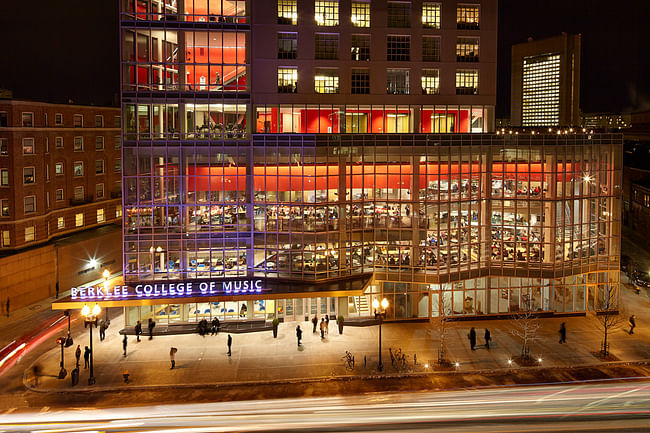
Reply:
x=164, y=290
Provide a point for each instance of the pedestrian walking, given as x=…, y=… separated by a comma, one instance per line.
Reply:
x=488, y=338
x=299, y=335
x=213, y=327
x=229, y=345
x=562, y=332
x=77, y=354
x=102, y=330
x=314, y=321
x=632, y=323
x=472, y=338
x=172, y=357
x=56, y=288
x=322, y=328
x=138, y=330
x=124, y=343
x=86, y=357
x=217, y=325
x=327, y=324
x=151, y=325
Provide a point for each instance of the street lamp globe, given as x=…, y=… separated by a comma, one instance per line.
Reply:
x=375, y=303
x=85, y=311
x=384, y=303
x=96, y=310
x=106, y=274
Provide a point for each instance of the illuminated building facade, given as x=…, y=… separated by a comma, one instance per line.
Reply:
x=279, y=176
x=545, y=87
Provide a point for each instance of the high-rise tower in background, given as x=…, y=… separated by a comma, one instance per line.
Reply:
x=545, y=86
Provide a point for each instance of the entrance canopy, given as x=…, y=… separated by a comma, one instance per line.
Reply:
x=232, y=289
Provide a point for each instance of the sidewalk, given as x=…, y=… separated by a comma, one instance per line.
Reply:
x=258, y=357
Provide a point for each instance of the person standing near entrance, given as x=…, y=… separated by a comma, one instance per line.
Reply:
x=124, y=343
x=77, y=354
x=472, y=338
x=151, y=325
x=172, y=357
x=322, y=328
x=314, y=321
x=102, y=330
x=488, y=338
x=86, y=357
x=562, y=332
x=138, y=330
x=299, y=335
x=327, y=324
x=229, y=345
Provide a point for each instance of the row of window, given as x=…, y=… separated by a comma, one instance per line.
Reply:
x=29, y=173
x=27, y=120
x=30, y=232
x=29, y=149
x=398, y=48
x=326, y=13
x=326, y=80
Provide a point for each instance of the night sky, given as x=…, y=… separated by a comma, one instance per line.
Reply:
x=68, y=50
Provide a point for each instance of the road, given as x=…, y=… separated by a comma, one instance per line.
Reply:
x=595, y=407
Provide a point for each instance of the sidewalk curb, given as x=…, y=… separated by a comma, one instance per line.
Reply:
x=339, y=378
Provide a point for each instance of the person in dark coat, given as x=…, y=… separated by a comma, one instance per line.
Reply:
x=57, y=290
x=151, y=325
x=314, y=322
x=472, y=338
x=322, y=328
x=299, y=335
x=86, y=357
x=213, y=328
x=102, y=330
x=172, y=357
x=488, y=338
x=229, y=345
x=138, y=330
x=124, y=343
x=562, y=332
x=632, y=323
x=77, y=354
x=327, y=324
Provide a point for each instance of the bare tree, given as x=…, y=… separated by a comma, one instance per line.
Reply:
x=444, y=315
x=526, y=325
x=608, y=316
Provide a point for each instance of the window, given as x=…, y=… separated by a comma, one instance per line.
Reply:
x=287, y=80
x=79, y=220
x=360, y=81
x=58, y=142
x=78, y=144
x=99, y=143
x=118, y=142
x=28, y=175
x=430, y=49
x=29, y=234
x=59, y=195
x=541, y=90
x=397, y=81
x=4, y=177
x=360, y=47
x=28, y=146
x=28, y=120
x=30, y=204
x=4, y=119
x=47, y=173
x=326, y=81
x=60, y=223
x=99, y=190
x=287, y=45
x=430, y=15
x=399, y=14
x=78, y=193
x=326, y=46
x=116, y=122
x=78, y=120
x=99, y=166
x=361, y=14
x=467, y=17
x=99, y=121
x=58, y=119
x=430, y=81
x=6, y=241
x=118, y=166
x=5, y=208
x=467, y=49
x=287, y=12
x=117, y=189
x=326, y=13
x=398, y=48
x=4, y=147
x=467, y=82
x=118, y=211
x=78, y=168
x=100, y=215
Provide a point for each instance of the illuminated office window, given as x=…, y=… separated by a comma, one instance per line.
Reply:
x=467, y=82
x=287, y=12
x=287, y=80
x=30, y=234
x=360, y=47
x=326, y=81
x=430, y=81
x=431, y=15
x=326, y=13
x=360, y=14
x=467, y=17
x=466, y=49
x=540, y=103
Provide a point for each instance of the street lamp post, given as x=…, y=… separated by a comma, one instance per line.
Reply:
x=380, y=315
x=61, y=342
x=90, y=318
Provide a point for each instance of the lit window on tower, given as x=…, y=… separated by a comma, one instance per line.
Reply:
x=541, y=91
